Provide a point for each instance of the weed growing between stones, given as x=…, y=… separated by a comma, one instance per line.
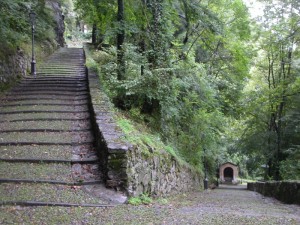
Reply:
x=142, y=199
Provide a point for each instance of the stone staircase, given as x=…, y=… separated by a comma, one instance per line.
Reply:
x=47, y=153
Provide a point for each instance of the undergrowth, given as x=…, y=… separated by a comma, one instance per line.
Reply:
x=132, y=123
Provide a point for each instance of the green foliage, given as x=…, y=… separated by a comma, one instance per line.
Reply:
x=141, y=136
x=183, y=74
x=290, y=168
x=142, y=199
x=269, y=132
x=13, y=24
x=187, y=78
x=15, y=27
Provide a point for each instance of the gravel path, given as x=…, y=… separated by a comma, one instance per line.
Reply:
x=225, y=205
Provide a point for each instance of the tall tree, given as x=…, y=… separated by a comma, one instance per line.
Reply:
x=274, y=78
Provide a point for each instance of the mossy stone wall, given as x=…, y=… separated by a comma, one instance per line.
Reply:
x=14, y=66
x=159, y=174
x=285, y=191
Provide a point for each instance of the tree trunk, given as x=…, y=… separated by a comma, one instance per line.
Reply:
x=94, y=34
x=120, y=41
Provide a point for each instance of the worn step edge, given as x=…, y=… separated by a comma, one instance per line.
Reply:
x=43, y=111
x=43, y=86
x=48, y=91
x=10, y=98
x=45, y=119
x=44, y=130
x=45, y=143
x=47, y=88
x=43, y=104
x=53, y=79
x=24, y=160
x=62, y=75
x=59, y=204
x=37, y=181
x=52, y=82
x=44, y=98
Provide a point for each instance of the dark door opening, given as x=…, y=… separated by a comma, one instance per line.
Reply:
x=228, y=174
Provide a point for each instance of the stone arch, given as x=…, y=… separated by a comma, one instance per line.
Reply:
x=228, y=172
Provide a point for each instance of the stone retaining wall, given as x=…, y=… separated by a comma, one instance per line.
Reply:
x=285, y=191
x=128, y=168
x=14, y=66
x=159, y=174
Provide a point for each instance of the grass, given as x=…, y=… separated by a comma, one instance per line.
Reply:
x=137, y=134
x=149, y=142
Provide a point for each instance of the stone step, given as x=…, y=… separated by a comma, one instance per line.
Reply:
x=74, y=72
x=46, y=141
x=12, y=102
x=33, y=111
x=45, y=116
x=55, y=79
x=48, y=172
x=63, y=75
x=68, y=64
x=46, y=138
x=48, y=108
x=35, y=151
x=79, y=125
x=43, y=97
x=94, y=160
x=60, y=68
x=62, y=89
x=47, y=193
x=52, y=84
x=46, y=93
x=48, y=152
x=31, y=171
x=68, y=69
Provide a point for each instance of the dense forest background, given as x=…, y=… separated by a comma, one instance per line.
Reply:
x=214, y=82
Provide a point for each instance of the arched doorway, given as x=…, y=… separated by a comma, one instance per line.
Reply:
x=228, y=174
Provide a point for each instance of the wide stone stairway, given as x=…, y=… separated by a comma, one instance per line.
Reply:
x=47, y=156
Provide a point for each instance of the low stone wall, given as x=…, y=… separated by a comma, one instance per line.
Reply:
x=128, y=168
x=285, y=191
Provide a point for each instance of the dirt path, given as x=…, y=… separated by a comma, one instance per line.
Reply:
x=226, y=205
